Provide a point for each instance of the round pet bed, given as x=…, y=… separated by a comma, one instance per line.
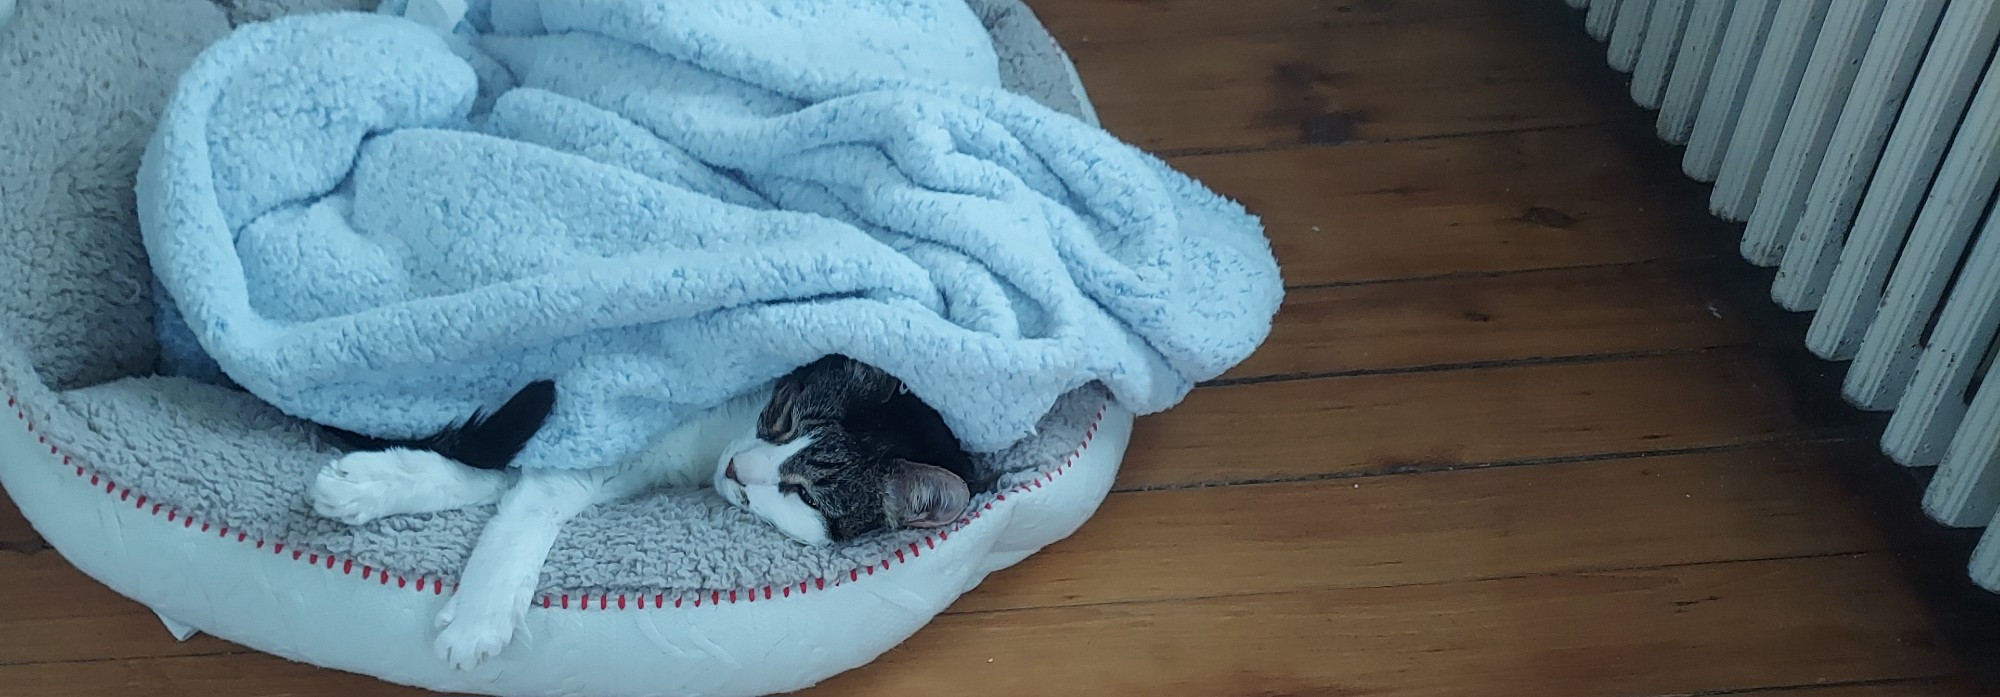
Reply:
x=637, y=598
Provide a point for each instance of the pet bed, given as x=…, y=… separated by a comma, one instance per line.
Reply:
x=188, y=497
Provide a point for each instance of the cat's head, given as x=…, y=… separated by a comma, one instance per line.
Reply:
x=841, y=450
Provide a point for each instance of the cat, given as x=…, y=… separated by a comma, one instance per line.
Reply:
x=831, y=452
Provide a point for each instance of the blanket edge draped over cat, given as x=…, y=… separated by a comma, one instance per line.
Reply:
x=379, y=227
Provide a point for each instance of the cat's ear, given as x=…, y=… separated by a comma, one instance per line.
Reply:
x=870, y=382
x=925, y=496
x=774, y=423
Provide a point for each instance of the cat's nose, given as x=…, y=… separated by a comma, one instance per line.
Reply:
x=729, y=472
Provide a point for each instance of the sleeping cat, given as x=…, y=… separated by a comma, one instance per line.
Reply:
x=833, y=451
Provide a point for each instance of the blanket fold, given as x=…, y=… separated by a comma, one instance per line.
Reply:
x=379, y=226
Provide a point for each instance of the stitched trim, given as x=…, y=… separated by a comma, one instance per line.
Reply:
x=562, y=600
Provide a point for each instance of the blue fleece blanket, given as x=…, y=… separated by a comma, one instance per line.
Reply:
x=380, y=226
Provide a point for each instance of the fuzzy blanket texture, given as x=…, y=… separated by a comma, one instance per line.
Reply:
x=381, y=225
x=77, y=345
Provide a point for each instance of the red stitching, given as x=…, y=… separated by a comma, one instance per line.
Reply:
x=437, y=586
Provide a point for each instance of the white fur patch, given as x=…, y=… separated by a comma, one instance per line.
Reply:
x=759, y=463
x=788, y=514
x=365, y=486
x=755, y=489
x=506, y=564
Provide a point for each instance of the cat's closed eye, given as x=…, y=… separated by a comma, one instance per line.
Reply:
x=798, y=490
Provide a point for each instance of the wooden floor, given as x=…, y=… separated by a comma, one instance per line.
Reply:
x=1515, y=433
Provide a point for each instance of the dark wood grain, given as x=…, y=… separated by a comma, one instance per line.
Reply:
x=1499, y=202
x=1435, y=420
x=1679, y=630
x=1511, y=317
x=1318, y=85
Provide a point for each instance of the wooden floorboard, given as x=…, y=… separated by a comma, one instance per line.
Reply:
x=1437, y=420
x=16, y=535
x=1489, y=318
x=1764, y=502
x=1316, y=85
x=1930, y=687
x=1532, y=637
x=1496, y=202
x=1082, y=22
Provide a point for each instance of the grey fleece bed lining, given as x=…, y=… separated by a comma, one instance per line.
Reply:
x=76, y=345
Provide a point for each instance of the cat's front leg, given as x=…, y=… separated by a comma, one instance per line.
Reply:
x=366, y=485
x=500, y=577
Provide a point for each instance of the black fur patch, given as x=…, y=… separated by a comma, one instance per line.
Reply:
x=486, y=441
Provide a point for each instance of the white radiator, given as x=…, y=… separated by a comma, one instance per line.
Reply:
x=1860, y=142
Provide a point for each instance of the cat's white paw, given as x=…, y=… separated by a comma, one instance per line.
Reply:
x=471, y=632
x=364, y=486
x=360, y=487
